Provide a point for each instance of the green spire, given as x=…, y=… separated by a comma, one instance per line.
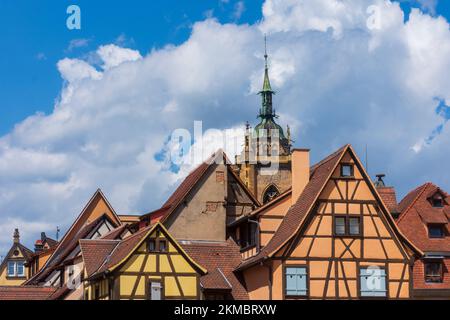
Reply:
x=266, y=85
x=266, y=111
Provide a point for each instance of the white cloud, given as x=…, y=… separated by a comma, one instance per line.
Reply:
x=337, y=82
x=113, y=55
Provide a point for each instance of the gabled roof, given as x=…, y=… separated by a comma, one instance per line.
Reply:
x=220, y=259
x=24, y=293
x=418, y=212
x=27, y=254
x=122, y=250
x=296, y=216
x=189, y=183
x=78, y=230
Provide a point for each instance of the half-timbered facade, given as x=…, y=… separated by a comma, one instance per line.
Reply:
x=337, y=240
x=149, y=265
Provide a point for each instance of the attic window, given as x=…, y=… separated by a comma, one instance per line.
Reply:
x=151, y=246
x=436, y=231
x=437, y=201
x=162, y=246
x=347, y=170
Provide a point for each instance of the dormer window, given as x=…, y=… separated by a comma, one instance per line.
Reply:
x=347, y=170
x=438, y=202
x=436, y=231
x=16, y=269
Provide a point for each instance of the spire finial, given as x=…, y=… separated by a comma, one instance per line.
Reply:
x=265, y=49
x=16, y=236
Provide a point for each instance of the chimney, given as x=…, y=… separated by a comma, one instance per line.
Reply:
x=300, y=172
x=16, y=236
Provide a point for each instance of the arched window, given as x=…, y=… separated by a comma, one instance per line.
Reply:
x=270, y=194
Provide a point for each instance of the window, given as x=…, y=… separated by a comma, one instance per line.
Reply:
x=347, y=226
x=339, y=223
x=155, y=291
x=433, y=272
x=438, y=203
x=162, y=246
x=16, y=269
x=20, y=269
x=247, y=235
x=151, y=246
x=354, y=228
x=436, y=231
x=296, y=282
x=347, y=170
x=373, y=282
x=270, y=194
x=11, y=268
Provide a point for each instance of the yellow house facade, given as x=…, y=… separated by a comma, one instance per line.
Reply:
x=14, y=270
x=149, y=265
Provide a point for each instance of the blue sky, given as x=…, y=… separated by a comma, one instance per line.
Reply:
x=94, y=107
x=36, y=37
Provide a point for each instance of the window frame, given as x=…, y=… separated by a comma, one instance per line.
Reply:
x=428, y=277
x=386, y=284
x=166, y=249
x=347, y=218
x=352, y=170
x=13, y=263
x=307, y=281
x=149, y=289
x=23, y=269
x=436, y=225
x=151, y=241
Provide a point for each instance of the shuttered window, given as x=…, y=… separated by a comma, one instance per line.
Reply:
x=296, y=281
x=373, y=282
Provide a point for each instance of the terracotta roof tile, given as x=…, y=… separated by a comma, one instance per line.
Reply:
x=225, y=256
x=417, y=213
x=26, y=293
x=94, y=253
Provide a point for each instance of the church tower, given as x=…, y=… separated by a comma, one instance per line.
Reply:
x=265, y=162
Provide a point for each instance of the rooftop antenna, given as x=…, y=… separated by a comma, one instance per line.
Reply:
x=57, y=233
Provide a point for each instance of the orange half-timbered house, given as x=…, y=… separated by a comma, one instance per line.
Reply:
x=336, y=241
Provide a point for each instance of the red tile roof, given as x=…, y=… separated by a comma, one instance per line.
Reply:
x=220, y=259
x=389, y=198
x=418, y=212
x=94, y=253
x=26, y=293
